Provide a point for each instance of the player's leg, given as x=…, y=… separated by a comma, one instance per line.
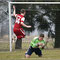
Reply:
x=38, y=52
x=29, y=52
x=20, y=34
x=18, y=42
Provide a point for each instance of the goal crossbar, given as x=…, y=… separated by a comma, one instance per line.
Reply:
x=34, y=2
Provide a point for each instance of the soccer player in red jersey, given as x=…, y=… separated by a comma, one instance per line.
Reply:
x=19, y=23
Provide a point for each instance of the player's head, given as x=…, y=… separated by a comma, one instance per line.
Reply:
x=41, y=36
x=23, y=12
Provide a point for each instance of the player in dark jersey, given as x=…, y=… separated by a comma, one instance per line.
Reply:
x=18, y=30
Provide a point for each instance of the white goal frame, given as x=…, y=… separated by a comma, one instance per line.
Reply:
x=10, y=36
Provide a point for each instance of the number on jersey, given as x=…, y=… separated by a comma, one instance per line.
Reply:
x=18, y=19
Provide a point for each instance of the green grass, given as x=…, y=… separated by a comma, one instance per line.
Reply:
x=53, y=54
x=20, y=55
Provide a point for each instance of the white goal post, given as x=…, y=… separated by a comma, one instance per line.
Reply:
x=10, y=36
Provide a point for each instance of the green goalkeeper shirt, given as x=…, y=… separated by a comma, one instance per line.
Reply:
x=35, y=41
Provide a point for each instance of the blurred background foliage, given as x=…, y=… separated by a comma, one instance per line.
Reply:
x=40, y=17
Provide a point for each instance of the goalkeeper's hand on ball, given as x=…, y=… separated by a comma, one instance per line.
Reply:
x=41, y=45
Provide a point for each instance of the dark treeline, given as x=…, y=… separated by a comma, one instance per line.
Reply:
x=36, y=13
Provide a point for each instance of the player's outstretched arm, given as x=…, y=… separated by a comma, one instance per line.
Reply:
x=25, y=25
x=14, y=12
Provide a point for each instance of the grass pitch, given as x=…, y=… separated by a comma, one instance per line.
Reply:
x=53, y=54
x=20, y=55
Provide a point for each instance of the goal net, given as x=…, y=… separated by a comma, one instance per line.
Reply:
x=34, y=9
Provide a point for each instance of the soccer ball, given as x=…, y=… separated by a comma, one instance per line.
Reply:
x=41, y=47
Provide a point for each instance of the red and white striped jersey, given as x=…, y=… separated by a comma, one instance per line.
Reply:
x=19, y=19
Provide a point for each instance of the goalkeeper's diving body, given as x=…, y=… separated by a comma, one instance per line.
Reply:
x=18, y=30
x=36, y=45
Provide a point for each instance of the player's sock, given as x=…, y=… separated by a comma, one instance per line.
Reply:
x=18, y=44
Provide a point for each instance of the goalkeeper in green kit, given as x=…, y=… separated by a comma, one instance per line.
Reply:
x=36, y=45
